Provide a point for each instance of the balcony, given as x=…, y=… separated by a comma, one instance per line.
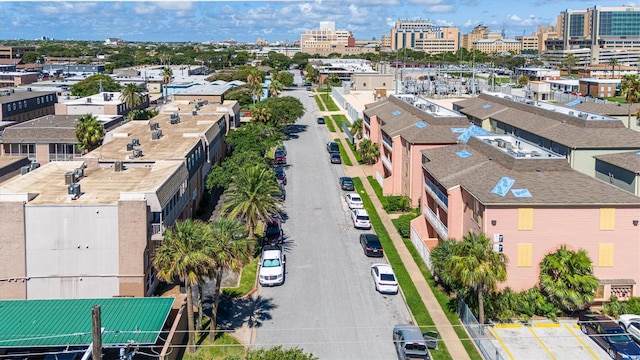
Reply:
x=386, y=162
x=366, y=135
x=441, y=198
x=388, y=143
x=432, y=218
x=367, y=121
x=157, y=229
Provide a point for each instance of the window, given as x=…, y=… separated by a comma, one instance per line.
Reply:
x=607, y=219
x=525, y=255
x=605, y=255
x=525, y=219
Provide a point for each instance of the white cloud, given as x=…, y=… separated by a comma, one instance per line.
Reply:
x=174, y=5
x=441, y=9
x=67, y=7
x=144, y=9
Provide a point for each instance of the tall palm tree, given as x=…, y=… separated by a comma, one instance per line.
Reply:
x=566, y=278
x=261, y=114
x=167, y=75
x=613, y=62
x=230, y=250
x=275, y=88
x=131, y=95
x=89, y=132
x=368, y=151
x=475, y=265
x=255, y=84
x=251, y=195
x=630, y=89
x=184, y=254
x=356, y=128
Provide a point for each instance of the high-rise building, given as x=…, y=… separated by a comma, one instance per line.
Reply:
x=421, y=34
x=327, y=40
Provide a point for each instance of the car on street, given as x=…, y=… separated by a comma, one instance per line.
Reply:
x=281, y=177
x=384, y=279
x=320, y=120
x=282, y=194
x=354, y=201
x=280, y=156
x=360, y=218
x=333, y=147
x=282, y=148
x=335, y=158
x=310, y=94
x=346, y=183
x=631, y=324
x=371, y=245
x=273, y=233
x=412, y=343
x=609, y=335
x=272, y=265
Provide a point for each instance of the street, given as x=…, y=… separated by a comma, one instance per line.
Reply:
x=328, y=305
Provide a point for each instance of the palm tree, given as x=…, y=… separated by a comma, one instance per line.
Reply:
x=251, y=194
x=630, y=89
x=275, y=88
x=184, y=254
x=131, y=96
x=566, y=278
x=255, y=84
x=167, y=75
x=368, y=151
x=89, y=132
x=475, y=265
x=613, y=62
x=261, y=114
x=230, y=251
x=356, y=128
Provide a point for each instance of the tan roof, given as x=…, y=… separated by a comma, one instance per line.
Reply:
x=550, y=181
x=6, y=160
x=609, y=108
x=624, y=160
x=100, y=185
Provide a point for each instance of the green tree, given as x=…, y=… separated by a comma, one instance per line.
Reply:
x=630, y=89
x=369, y=151
x=356, y=128
x=275, y=88
x=439, y=256
x=569, y=62
x=261, y=113
x=613, y=62
x=89, y=132
x=252, y=196
x=284, y=77
x=475, y=265
x=167, y=75
x=284, y=110
x=312, y=74
x=220, y=175
x=566, y=278
x=230, y=251
x=255, y=79
x=94, y=84
x=277, y=61
x=184, y=254
x=131, y=95
x=523, y=81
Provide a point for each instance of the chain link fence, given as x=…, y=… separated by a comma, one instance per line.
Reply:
x=483, y=342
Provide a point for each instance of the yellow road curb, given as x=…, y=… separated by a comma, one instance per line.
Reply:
x=547, y=325
x=508, y=326
x=504, y=347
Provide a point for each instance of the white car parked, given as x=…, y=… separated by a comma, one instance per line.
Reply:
x=354, y=201
x=360, y=218
x=384, y=278
x=631, y=324
x=272, y=269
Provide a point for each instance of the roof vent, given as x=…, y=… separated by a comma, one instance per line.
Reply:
x=88, y=100
x=129, y=146
x=73, y=191
x=135, y=142
x=137, y=153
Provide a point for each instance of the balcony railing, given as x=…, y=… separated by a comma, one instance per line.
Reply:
x=433, y=190
x=387, y=142
x=432, y=218
x=367, y=121
x=386, y=162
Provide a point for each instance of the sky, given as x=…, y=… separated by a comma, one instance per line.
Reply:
x=275, y=21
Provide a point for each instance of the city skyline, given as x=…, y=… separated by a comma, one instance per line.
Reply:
x=275, y=21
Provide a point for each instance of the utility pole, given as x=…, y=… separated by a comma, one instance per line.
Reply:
x=96, y=328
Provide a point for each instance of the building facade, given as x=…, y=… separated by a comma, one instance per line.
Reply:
x=19, y=106
x=421, y=34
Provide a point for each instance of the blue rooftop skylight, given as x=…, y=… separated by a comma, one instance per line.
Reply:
x=463, y=154
x=573, y=103
x=458, y=130
x=638, y=153
x=486, y=106
x=472, y=130
x=521, y=193
x=420, y=125
x=396, y=113
x=503, y=186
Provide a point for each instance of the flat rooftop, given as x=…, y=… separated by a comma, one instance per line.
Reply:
x=518, y=148
x=103, y=98
x=562, y=109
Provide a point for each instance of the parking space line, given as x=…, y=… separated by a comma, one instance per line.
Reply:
x=541, y=343
x=495, y=333
x=581, y=342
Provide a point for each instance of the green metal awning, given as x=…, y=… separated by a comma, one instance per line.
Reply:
x=54, y=323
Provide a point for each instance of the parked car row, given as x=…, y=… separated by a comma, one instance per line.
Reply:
x=334, y=152
x=611, y=336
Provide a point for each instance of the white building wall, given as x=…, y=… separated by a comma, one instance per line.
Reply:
x=72, y=251
x=86, y=109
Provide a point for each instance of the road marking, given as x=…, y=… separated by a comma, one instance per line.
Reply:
x=541, y=343
x=581, y=342
x=495, y=333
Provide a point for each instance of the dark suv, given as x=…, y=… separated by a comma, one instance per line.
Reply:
x=273, y=234
x=333, y=147
x=609, y=335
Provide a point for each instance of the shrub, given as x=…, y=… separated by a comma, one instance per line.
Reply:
x=397, y=203
x=615, y=307
x=403, y=224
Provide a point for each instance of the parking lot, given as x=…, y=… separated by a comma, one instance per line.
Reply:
x=562, y=341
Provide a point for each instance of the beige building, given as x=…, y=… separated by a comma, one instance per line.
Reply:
x=104, y=103
x=421, y=34
x=480, y=32
x=491, y=46
x=528, y=43
x=327, y=40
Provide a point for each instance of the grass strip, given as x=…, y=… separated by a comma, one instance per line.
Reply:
x=414, y=302
x=328, y=101
x=378, y=190
x=343, y=153
x=340, y=119
x=356, y=153
x=225, y=346
x=319, y=103
x=247, y=280
x=329, y=122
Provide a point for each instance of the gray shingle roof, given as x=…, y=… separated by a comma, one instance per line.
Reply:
x=624, y=160
x=550, y=181
x=610, y=109
x=47, y=129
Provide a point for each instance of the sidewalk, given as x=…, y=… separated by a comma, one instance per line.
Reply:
x=447, y=334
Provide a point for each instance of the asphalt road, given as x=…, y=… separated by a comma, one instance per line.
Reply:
x=328, y=305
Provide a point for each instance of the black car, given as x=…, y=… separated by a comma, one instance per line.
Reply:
x=609, y=335
x=282, y=194
x=273, y=232
x=281, y=177
x=320, y=120
x=335, y=158
x=346, y=183
x=333, y=147
x=371, y=245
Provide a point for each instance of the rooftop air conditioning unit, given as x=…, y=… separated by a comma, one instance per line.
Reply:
x=69, y=178
x=129, y=146
x=25, y=169
x=88, y=100
x=433, y=108
x=34, y=165
x=135, y=142
x=154, y=126
x=137, y=153
x=156, y=134
x=118, y=166
x=78, y=173
x=194, y=112
x=176, y=119
x=105, y=96
x=73, y=191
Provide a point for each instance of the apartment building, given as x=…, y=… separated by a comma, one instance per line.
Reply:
x=19, y=106
x=90, y=228
x=401, y=126
x=421, y=34
x=622, y=112
x=529, y=201
x=15, y=52
x=621, y=170
x=576, y=135
x=104, y=103
x=492, y=46
x=10, y=79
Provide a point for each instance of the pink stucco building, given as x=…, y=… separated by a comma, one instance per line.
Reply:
x=529, y=201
